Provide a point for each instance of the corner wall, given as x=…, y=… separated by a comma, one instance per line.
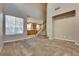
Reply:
x=49, y=21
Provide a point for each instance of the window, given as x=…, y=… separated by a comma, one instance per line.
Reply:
x=13, y=25
x=19, y=25
x=29, y=26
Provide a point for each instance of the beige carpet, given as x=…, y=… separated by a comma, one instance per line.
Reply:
x=40, y=47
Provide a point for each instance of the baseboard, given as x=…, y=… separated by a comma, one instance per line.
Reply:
x=76, y=43
x=14, y=40
x=1, y=48
x=49, y=39
x=65, y=39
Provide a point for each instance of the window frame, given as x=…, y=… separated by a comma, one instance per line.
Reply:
x=15, y=26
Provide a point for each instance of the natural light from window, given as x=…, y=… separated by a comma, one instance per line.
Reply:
x=13, y=25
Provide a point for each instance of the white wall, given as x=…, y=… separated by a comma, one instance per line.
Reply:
x=66, y=28
x=49, y=21
x=35, y=10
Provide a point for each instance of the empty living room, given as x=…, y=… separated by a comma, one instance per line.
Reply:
x=39, y=29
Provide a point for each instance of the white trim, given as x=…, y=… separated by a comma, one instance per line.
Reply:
x=64, y=39
x=76, y=43
x=67, y=40
x=49, y=39
x=15, y=40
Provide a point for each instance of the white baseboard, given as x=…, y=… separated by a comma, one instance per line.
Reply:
x=76, y=43
x=67, y=40
x=12, y=40
x=49, y=39
x=64, y=39
x=15, y=40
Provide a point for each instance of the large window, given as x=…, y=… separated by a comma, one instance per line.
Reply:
x=13, y=25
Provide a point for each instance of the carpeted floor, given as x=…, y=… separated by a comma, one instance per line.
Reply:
x=40, y=46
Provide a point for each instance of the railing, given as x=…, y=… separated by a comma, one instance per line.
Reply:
x=42, y=28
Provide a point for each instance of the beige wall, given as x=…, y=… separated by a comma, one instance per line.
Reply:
x=63, y=28
x=1, y=27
